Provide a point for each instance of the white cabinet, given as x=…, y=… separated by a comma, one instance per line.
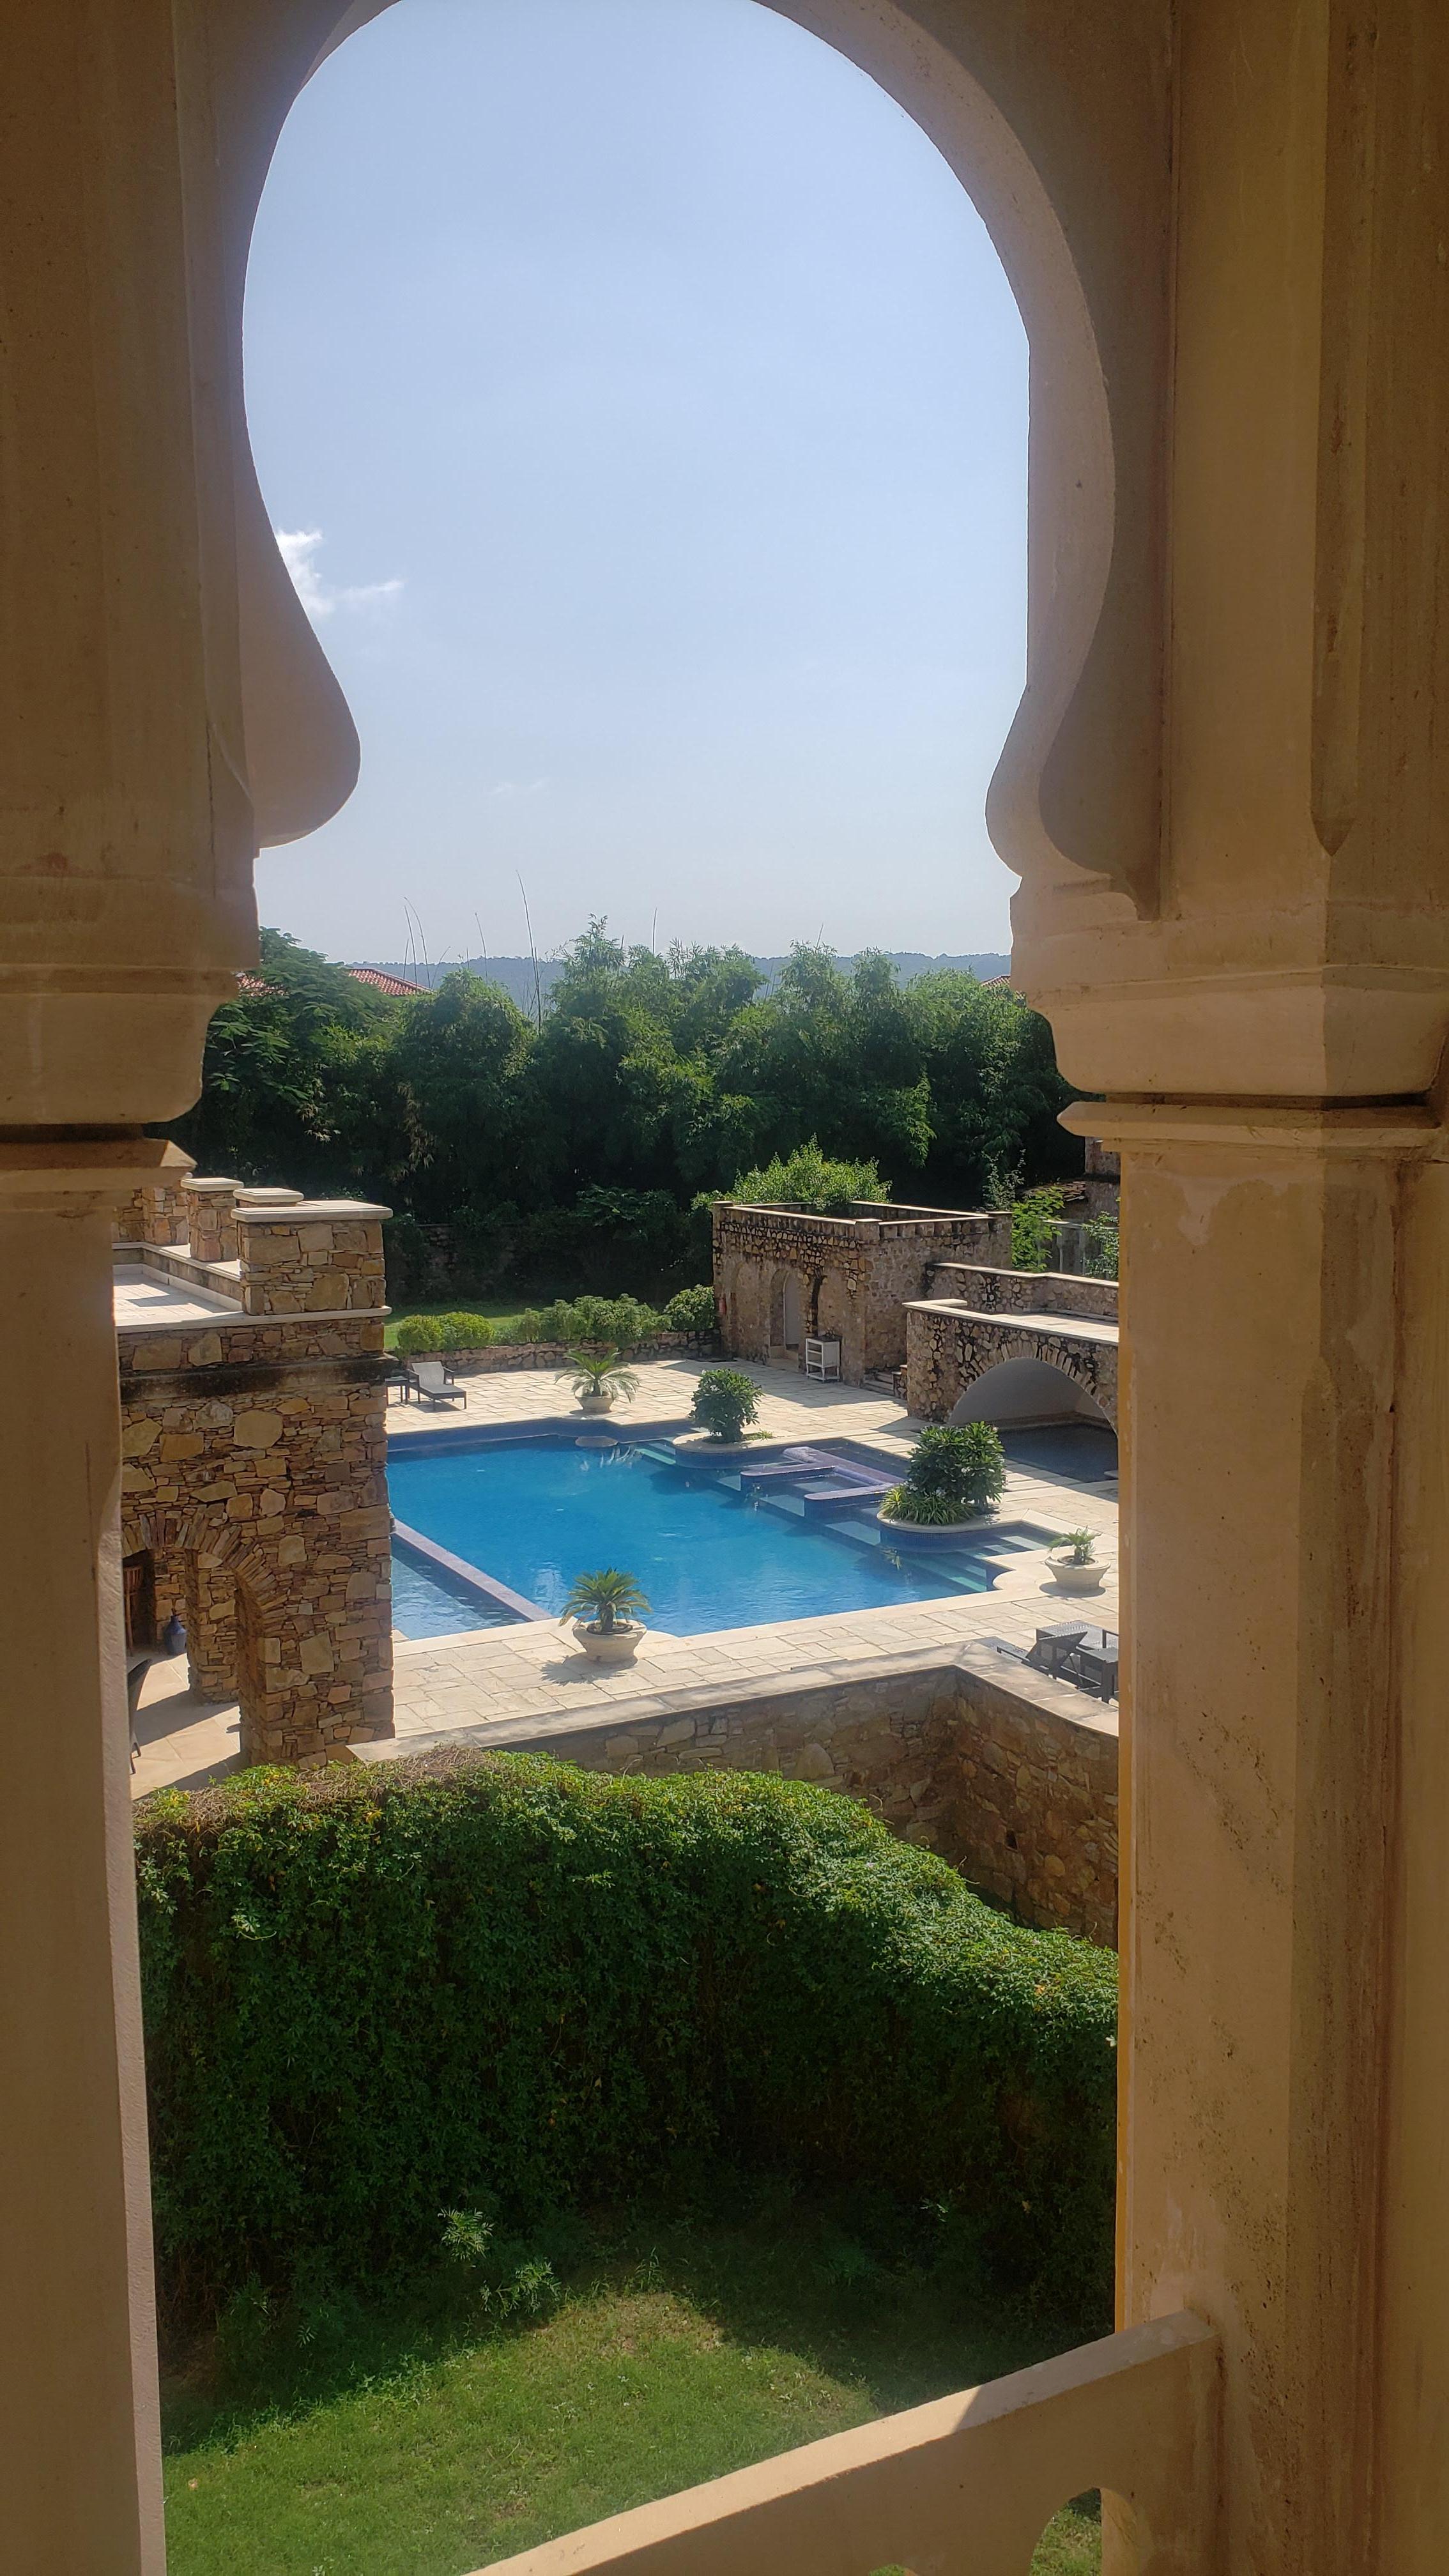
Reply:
x=822, y=1359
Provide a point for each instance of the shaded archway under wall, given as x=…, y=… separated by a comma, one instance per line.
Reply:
x=1062, y=196
x=1048, y=1423
x=1028, y=1391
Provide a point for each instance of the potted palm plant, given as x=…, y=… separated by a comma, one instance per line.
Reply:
x=1077, y=1570
x=604, y=1608
x=599, y=1378
x=953, y=1481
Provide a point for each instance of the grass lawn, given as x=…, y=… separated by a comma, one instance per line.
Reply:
x=429, y=2438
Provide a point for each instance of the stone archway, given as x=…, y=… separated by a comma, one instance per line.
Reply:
x=1024, y=1390
x=212, y=1571
x=1077, y=779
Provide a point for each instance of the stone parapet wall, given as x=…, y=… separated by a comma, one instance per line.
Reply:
x=947, y=1351
x=226, y=1344
x=156, y=1214
x=1014, y=1783
x=317, y=1256
x=1024, y=1292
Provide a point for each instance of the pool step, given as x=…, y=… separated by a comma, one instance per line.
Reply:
x=786, y=1470
x=831, y=1496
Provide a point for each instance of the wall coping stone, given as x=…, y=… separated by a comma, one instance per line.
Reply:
x=977, y=1659
x=310, y=1212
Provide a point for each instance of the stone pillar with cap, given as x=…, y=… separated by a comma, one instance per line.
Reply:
x=310, y=1256
x=210, y=1218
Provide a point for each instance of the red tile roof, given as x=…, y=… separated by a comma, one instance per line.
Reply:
x=383, y=983
x=372, y=975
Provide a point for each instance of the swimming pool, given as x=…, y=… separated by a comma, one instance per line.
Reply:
x=426, y=1604
x=536, y=1513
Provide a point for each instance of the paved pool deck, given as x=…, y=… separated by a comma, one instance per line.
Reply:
x=534, y=1670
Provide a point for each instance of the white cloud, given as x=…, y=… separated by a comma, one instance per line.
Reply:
x=508, y=787
x=298, y=549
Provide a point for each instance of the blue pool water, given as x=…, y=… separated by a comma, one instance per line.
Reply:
x=425, y=1604
x=534, y=1514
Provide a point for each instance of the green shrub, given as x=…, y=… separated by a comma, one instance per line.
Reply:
x=1101, y=1248
x=523, y=1328
x=623, y=1322
x=923, y=1511
x=692, y=1311
x=812, y=1180
x=960, y=1466
x=466, y=1332
x=373, y=1996
x=419, y=1333
x=724, y=1401
x=1035, y=1217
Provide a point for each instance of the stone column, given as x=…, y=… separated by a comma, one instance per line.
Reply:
x=1264, y=1347
x=80, y=2486
x=210, y=1627
x=210, y=1218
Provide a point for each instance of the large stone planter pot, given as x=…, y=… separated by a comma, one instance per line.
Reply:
x=943, y=1534
x=1076, y=1578
x=620, y=1646
x=600, y=1401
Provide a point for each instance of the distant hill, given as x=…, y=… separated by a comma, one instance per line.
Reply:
x=516, y=974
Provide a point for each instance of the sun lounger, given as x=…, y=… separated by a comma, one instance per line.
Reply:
x=432, y=1383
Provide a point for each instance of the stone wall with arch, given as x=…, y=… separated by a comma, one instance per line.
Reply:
x=951, y=1351
x=254, y=1479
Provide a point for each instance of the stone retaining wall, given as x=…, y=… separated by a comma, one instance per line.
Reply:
x=550, y=1355
x=1012, y=1781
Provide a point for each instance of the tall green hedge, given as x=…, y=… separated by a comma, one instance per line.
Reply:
x=375, y=1994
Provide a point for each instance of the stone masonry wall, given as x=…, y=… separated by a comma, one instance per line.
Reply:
x=254, y=1449
x=211, y=1232
x=551, y=1355
x=154, y=1215
x=855, y=1274
x=947, y=1351
x=1014, y=1784
x=1024, y=1292
x=277, y=1489
x=314, y=1258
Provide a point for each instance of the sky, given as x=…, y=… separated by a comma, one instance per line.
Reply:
x=641, y=407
